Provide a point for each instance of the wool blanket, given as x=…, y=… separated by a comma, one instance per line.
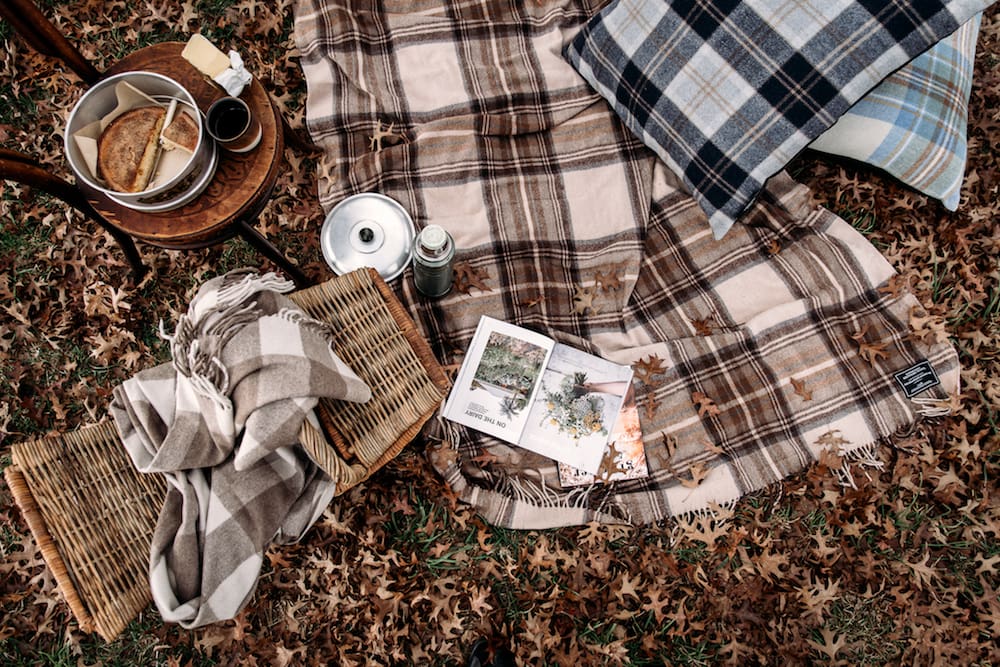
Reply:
x=221, y=424
x=754, y=354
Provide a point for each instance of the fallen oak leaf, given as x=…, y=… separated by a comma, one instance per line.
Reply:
x=375, y=143
x=924, y=324
x=533, y=301
x=703, y=326
x=832, y=643
x=627, y=587
x=450, y=496
x=712, y=447
x=800, y=389
x=706, y=406
x=583, y=299
x=647, y=367
x=607, y=281
x=870, y=352
x=467, y=277
x=833, y=439
x=670, y=443
x=656, y=604
x=650, y=405
x=831, y=458
x=610, y=463
x=402, y=505
x=699, y=471
x=924, y=574
x=896, y=285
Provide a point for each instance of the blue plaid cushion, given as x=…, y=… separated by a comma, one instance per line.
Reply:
x=728, y=91
x=914, y=124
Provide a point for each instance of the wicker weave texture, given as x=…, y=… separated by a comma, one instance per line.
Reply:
x=93, y=516
x=377, y=339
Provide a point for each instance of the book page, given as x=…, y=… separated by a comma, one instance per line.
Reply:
x=498, y=379
x=576, y=408
x=624, y=456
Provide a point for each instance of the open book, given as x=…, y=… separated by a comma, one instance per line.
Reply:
x=528, y=390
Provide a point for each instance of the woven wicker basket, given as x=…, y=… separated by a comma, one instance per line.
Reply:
x=375, y=336
x=93, y=515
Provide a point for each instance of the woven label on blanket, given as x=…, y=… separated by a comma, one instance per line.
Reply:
x=753, y=353
x=917, y=378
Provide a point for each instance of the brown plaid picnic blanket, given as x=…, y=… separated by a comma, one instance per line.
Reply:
x=221, y=423
x=754, y=354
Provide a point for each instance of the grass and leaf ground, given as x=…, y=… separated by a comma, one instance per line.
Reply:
x=901, y=569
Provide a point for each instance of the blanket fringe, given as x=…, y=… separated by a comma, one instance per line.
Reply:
x=934, y=407
x=299, y=317
x=540, y=494
x=605, y=506
x=865, y=456
x=212, y=319
x=249, y=283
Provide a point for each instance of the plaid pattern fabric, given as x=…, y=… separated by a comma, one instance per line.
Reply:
x=565, y=223
x=914, y=124
x=728, y=92
x=221, y=423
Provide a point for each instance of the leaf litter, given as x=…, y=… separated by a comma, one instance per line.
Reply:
x=898, y=568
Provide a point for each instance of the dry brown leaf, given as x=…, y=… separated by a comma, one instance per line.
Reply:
x=607, y=281
x=648, y=367
x=800, y=389
x=467, y=277
x=703, y=326
x=705, y=405
x=699, y=471
x=583, y=300
x=870, y=352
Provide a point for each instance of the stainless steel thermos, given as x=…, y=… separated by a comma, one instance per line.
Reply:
x=433, y=255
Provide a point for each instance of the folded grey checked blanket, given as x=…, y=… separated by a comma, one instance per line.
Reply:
x=221, y=423
x=754, y=354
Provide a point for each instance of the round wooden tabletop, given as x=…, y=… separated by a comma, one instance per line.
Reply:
x=242, y=183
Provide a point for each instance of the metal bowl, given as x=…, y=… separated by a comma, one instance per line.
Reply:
x=101, y=100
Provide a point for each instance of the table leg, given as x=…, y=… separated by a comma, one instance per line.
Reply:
x=266, y=248
x=131, y=252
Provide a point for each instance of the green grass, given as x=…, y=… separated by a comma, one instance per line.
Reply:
x=214, y=8
x=867, y=623
x=19, y=106
x=22, y=236
x=861, y=218
x=430, y=524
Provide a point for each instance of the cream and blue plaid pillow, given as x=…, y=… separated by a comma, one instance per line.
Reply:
x=914, y=124
x=727, y=92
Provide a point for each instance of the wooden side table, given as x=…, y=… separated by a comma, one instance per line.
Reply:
x=237, y=193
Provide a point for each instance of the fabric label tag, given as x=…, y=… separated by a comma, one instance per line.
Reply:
x=917, y=378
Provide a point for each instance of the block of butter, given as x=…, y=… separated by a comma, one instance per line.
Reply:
x=201, y=53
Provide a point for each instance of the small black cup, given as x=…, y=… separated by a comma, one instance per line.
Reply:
x=230, y=122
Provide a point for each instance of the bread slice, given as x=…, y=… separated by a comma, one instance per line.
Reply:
x=128, y=147
x=182, y=132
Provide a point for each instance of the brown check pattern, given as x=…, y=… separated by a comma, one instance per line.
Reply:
x=221, y=423
x=578, y=231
